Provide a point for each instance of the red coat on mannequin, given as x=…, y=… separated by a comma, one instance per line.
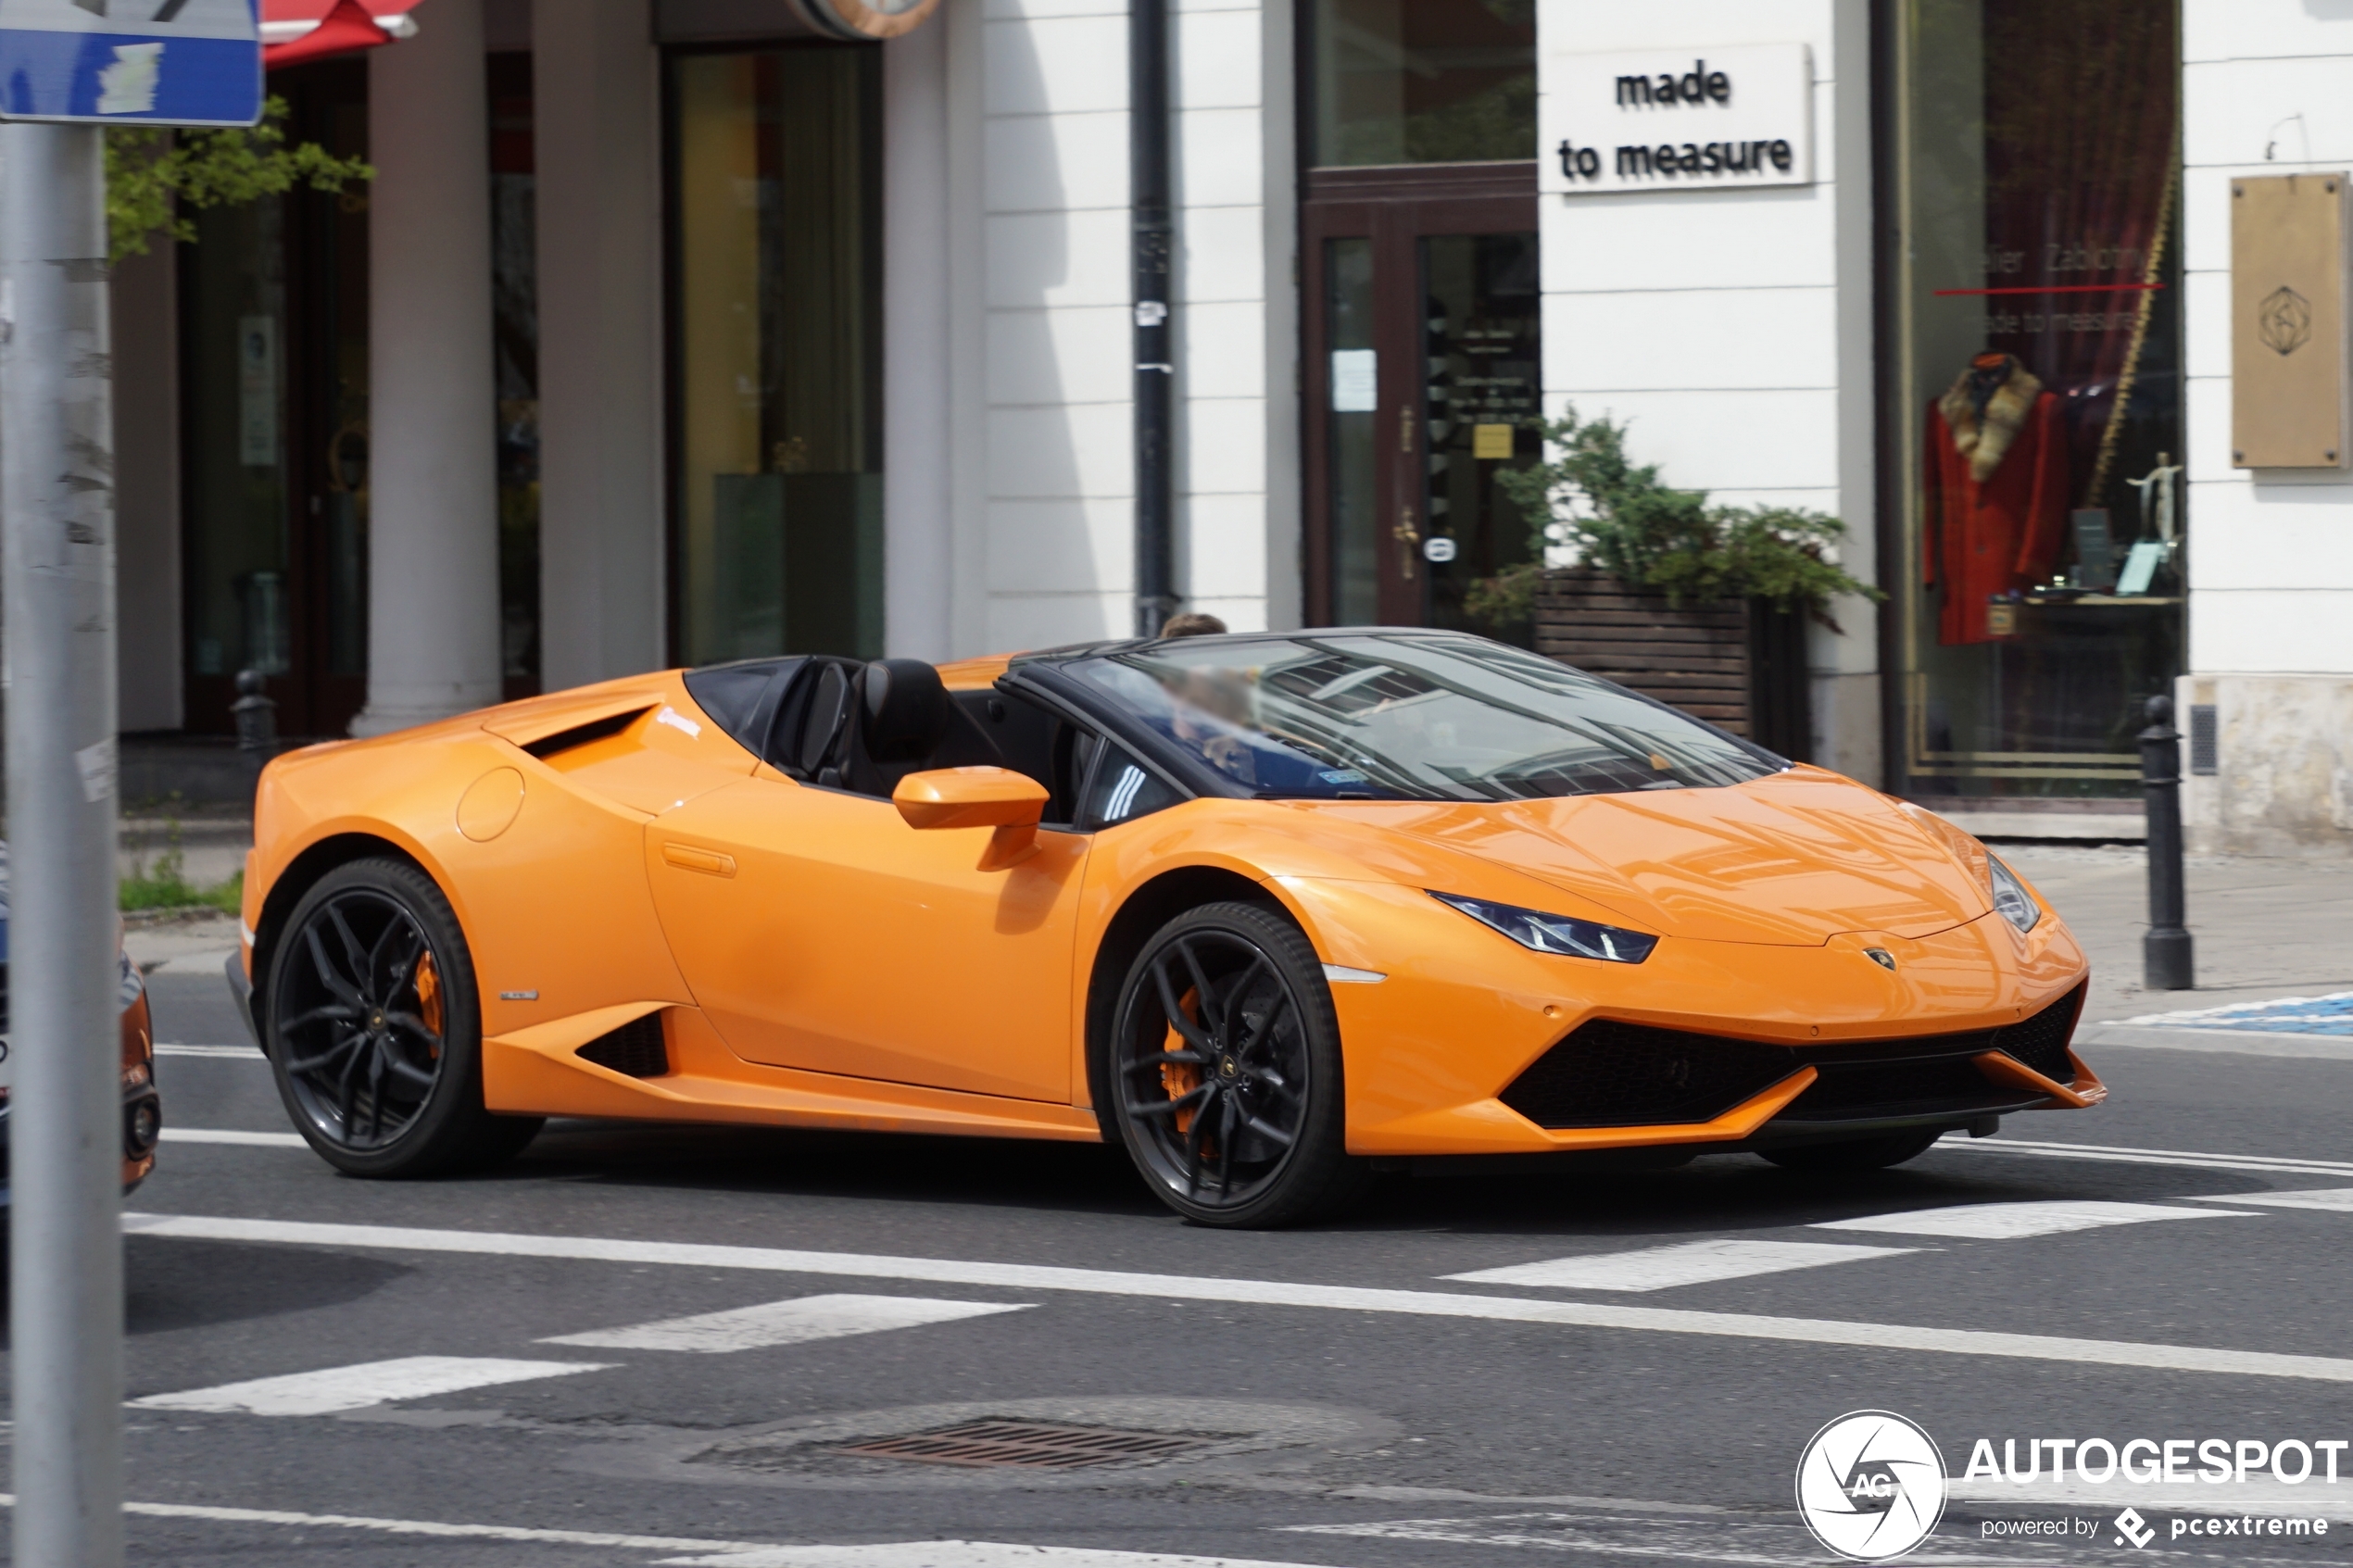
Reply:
x=1995, y=492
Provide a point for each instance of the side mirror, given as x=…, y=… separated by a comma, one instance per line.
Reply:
x=970, y=797
x=978, y=797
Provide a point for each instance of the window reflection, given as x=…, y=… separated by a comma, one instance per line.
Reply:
x=1424, y=80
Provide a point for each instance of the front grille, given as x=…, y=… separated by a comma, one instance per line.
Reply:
x=1029, y=1443
x=635, y=1049
x=1608, y=1074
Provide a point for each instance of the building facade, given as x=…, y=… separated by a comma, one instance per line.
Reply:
x=678, y=331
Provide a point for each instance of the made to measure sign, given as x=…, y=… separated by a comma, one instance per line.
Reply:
x=152, y=62
x=1681, y=120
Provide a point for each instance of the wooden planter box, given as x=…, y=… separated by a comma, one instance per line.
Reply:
x=1738, y=663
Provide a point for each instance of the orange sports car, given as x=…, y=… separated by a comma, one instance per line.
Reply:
x=1273, y=911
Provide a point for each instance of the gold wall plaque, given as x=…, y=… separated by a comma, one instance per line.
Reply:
x=2288, y=370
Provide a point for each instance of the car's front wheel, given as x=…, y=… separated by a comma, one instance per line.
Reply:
x=375, y=1031
x=1853, y=1154
x=1225, y=1072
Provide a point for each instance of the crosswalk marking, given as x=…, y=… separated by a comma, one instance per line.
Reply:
x=2005, y=1222
x=2112, y=1153
x=793, y=1322
x=2337, y=1198
x=1296, y=1294
x=357, y=1387
x=959, y=1555
x=1689, y=1262
x=232, y=1135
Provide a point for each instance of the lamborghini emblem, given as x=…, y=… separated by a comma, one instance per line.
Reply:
x=1880, y=957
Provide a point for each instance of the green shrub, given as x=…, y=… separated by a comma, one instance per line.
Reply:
x=1614, y=515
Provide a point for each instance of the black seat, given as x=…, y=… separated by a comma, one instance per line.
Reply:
x=904, y=721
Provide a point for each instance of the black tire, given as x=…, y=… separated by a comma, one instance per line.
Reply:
x=1225, y=1074
x=1853, y=1154
x=374, y=1029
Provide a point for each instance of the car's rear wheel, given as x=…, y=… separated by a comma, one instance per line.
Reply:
x=1225, y=1072
x=375, y=1029
x=1853, y=1154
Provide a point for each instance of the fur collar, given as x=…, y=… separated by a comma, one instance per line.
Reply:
x=1984, y=440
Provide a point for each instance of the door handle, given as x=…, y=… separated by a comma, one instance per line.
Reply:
x=687, y=858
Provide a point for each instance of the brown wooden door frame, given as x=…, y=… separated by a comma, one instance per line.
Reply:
x=1394, y=209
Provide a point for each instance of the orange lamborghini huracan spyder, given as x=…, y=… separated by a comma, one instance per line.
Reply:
x=1270, y=909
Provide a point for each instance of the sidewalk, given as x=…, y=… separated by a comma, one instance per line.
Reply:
x=2263, y=928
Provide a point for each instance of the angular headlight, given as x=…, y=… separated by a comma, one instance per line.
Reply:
x=1554, y=934
x=2011, y=899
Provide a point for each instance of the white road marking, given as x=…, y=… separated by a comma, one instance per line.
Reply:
x=1687, y=1262
x=1255, y=1292
x=2147, y=1156
x=2337, y=1198
x=228, y=1053
x=228, y=1134
x=795, y=1321
x=959, y=1554
x=2005, y=1222
x=422, y=1527
x=357, y=1387
x=1616, y=1535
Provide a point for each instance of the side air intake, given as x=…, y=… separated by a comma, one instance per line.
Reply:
x=637, y=1048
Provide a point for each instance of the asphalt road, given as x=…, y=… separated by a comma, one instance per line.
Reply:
x=1345, y=1400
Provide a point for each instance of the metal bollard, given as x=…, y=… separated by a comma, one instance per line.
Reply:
x=2165, y=963
x=257, y=719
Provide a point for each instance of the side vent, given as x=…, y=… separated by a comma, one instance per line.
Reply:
x=583, y=734
x=635, y=1049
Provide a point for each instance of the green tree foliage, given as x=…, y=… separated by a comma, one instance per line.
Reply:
x=1614, y=515
x=156, y=177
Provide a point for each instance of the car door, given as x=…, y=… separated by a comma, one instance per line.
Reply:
x=819, y=931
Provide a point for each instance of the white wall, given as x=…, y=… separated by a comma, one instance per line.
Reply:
x=1056, y=561
x=2270, y=551
x=1731, y=330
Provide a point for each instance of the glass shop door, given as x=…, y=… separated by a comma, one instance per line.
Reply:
x=1423, y=368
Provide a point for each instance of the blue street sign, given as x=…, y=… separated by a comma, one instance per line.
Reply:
x=123, y=62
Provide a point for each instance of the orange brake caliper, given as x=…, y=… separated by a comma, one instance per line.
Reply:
x=429, y=995
x=1181, y=1078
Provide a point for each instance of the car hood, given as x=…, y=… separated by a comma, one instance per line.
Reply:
x=1791, y=859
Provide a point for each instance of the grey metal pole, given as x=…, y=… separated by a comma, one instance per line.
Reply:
x=56, y=557
x=2166, y=955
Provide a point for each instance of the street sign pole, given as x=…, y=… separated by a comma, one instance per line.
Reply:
x=68, y=70
x=58, y=592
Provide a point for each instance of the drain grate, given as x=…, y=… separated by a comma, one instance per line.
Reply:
x=1026, y=1443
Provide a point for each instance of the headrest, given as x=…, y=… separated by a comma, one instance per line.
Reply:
x=904, y=711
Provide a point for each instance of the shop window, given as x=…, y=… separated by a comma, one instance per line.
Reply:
x=273, y=312
x=1422, y=81
x=776, y=338
x=2037, y=384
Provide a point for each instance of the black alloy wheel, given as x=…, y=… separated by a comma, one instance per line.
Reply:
x=1225, y=1072
x=1853, y=1154
x=374, y=1029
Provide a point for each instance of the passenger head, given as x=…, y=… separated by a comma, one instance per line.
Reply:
x=1192, y=623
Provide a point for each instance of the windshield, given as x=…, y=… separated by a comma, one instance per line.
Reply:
x=1420, y=718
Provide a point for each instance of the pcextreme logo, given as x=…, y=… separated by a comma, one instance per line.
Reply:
x=1871, y=1485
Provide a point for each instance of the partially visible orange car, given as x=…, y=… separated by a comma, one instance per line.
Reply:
x=1268, y=909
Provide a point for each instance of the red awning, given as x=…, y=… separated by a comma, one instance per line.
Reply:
x=295, y=31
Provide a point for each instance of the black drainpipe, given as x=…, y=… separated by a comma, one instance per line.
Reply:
x=1152, y=240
